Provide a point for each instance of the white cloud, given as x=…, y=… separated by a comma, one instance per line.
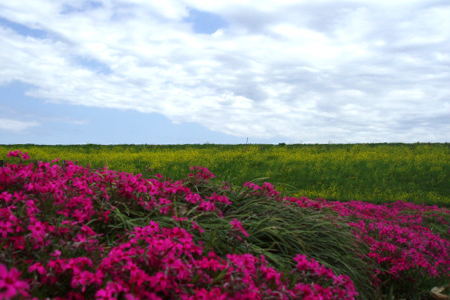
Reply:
x=311, y=71
x=15, y=125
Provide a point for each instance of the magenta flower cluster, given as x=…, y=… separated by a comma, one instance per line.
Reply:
x=399, y=241
x=57, y=241
x=201, y=173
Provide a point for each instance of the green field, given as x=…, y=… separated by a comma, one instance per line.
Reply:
x=370, y=172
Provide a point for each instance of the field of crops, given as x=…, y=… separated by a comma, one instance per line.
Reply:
x=376, y=173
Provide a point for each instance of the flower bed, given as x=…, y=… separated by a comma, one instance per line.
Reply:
x=67, y=231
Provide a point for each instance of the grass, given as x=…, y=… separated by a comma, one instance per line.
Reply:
x=370, y=172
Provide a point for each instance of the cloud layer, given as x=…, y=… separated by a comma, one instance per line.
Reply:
x=304, y=71
x=15, y=125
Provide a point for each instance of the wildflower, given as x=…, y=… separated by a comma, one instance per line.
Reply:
x=237, y=225
x=37, y=267
x=197, y=227
x=56, y=253
x=207, y=206
x=19, y=154
x=10, y=283
x=38, y=231
x=110, y=291
x=193, y=198
x=269, y=189
x=220, y=199
x=252, y=186
x=201, y=173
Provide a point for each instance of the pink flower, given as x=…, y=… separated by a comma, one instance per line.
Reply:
x=207, y=206
x=270, y=189
x=201, y=173
x=214, y=293
x=237, y=225
x=19, y=154
x=220, y=198
x=14, y=153
x=38, y=267
x=252, y=186
x=110, y=291
x=38, y=231
x=193, y=198
x=10, y=283
x=197, y=227
x=83, y=279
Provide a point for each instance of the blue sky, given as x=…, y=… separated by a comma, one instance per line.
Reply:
x=58, y=123
x=176, y=72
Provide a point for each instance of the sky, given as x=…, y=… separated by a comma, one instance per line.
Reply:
x=225, y=72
